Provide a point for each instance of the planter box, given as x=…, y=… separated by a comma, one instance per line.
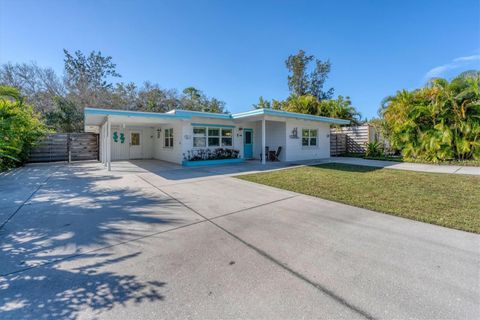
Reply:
x=199, y=163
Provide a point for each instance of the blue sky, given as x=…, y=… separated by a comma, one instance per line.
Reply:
x=235, y=50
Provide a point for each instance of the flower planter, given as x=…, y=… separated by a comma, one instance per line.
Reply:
x=199, y=163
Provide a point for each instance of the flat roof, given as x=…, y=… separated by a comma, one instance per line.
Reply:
x=286, y=114
x=187, y=114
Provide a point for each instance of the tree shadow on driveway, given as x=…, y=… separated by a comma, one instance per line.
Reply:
x=58, y=254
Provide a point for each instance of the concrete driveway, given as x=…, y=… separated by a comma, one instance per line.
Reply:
x=152, y=240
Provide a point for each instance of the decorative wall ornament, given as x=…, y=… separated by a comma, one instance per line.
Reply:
x=294, y=134
x=115, y=136
x=122, y=137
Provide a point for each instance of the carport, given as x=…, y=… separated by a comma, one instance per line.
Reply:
x=134, y=129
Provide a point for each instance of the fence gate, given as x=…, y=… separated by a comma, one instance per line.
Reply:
x=62, y=146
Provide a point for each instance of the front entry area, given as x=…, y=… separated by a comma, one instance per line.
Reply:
x=248, y=143
x=135, y=145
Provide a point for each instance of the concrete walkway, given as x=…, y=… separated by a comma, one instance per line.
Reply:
x=408, y=166
x=152, y=240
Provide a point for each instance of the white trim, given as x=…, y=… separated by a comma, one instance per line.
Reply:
x=109, y=144
x=264, y=160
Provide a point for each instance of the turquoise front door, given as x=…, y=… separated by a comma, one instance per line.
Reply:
x=248, y=143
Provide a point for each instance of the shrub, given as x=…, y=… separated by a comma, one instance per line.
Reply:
x=374, y=149
x=209, y=154
x=438, y=122
x=20, y=128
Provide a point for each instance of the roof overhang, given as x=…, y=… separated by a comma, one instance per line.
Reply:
x=285, y=114
x=96, y=117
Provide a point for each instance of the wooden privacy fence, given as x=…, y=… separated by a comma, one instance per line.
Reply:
x=351, y=139
x=66, y=147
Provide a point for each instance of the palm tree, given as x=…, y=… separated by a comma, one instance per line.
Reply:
x=438, y=122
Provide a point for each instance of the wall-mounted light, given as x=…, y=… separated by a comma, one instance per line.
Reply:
x=240, y=129
x=158, y=133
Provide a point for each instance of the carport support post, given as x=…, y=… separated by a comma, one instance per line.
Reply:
x=104, y=144
x=264, y=156
x=109, y=144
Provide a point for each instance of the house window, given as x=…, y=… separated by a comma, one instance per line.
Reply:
x=227, y=137
x=212, y=137
x=168, y=138
x=199, y=137
x=309, y=137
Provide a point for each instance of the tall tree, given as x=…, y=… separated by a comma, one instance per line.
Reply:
x=195, y=100
x=304, y=81
x=88, y=78
x=38, y=85
x=65, y=117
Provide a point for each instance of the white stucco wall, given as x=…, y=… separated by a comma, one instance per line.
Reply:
x=278, y=134
x=173, y=154
x=295, y=151
x=121, y=151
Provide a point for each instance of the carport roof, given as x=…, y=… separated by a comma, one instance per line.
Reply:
x=187, y=114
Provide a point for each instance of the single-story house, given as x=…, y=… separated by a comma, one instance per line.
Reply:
x=192, y=137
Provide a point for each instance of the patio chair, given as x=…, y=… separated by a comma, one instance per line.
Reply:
x=277, y=154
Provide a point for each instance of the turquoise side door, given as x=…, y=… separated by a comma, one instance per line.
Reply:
x=248, y=143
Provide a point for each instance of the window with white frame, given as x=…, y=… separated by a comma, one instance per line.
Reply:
x=168, y=142
x=309, y=137
x=227, y=137
x=199, y=137
x=212, y=137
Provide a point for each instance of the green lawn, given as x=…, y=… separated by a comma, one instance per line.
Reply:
x=448, y=200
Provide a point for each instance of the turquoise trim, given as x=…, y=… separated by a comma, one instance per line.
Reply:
x=190, y=114
x=112, y=112
x=286, y=114
x=185, y=114
x=212, y=125
x=201, y=163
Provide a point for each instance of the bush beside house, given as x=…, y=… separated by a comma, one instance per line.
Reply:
x=437, y=123
x=20, y=128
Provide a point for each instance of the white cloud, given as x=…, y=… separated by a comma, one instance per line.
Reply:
x=454, y=64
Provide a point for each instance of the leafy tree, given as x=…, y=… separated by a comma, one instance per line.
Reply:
x=125, y=96
x=215, y=105
x=66, y=117
x=306, y=91
x=195, y=100
x=335, y=108
x=87, y=82
x=302, y=81
x=38, y=85
x=20, y=128
x=440, y=121
x=262, y=104
x=341, y=108
x=87, y=78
